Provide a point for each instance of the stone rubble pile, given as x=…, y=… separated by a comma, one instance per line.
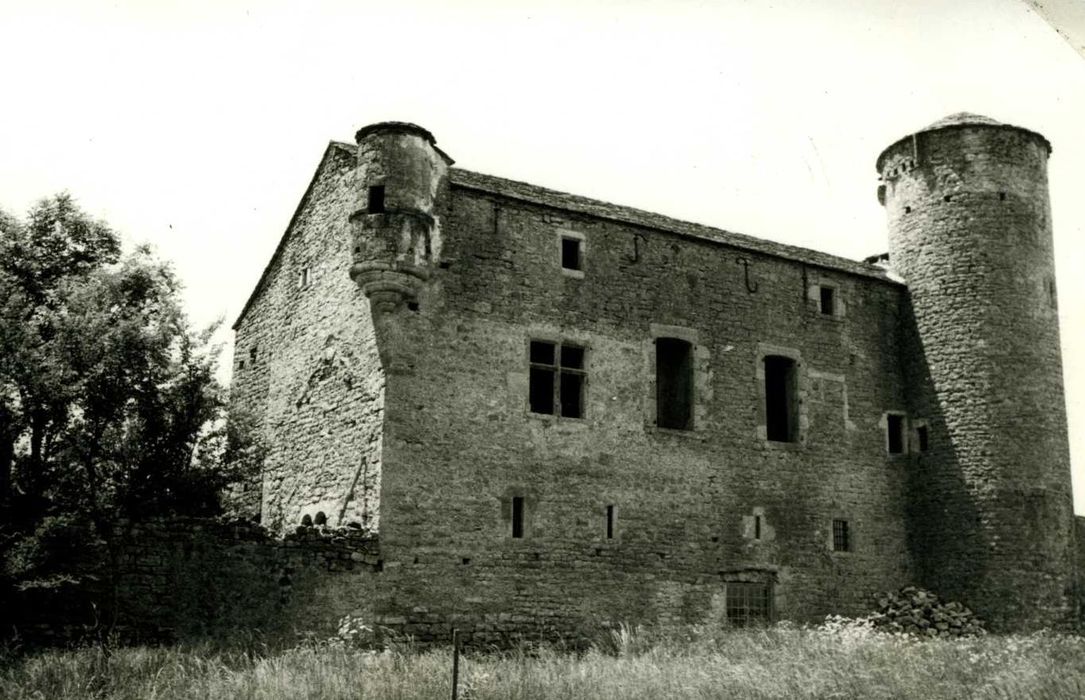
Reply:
x=913, y=610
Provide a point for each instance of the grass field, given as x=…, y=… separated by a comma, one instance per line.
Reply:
x=771, y=663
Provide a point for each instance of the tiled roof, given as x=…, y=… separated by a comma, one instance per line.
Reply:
x=638, y=217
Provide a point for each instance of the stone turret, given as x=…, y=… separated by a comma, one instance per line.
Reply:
x=396, y=223
x=970, y=233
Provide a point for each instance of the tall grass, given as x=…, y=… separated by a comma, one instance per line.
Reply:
x=772, y=663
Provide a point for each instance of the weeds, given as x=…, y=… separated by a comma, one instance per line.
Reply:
x=839, y=659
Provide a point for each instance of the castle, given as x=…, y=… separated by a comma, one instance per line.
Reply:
x=552, y=411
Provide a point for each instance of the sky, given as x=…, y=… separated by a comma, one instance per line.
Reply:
x=195, y=126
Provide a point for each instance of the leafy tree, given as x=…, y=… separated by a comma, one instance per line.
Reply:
x=109, y=406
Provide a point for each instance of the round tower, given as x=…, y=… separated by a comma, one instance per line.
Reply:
x=396, y=223
x=970, y=233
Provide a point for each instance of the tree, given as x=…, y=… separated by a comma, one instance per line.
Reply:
x=109, y=407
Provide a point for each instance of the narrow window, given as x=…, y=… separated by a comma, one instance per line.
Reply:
x=571, y=258
x=252, y=355
x=241, y=364
x=610, y=522
x=781, y=414
x=303, y=278
x=827, y=303
x=841, y=539
x=376, y=199
x=674, y=383
x=894, y=425
x=922, y=438
x=748, y=603
x=518, y=516
x=757, y=527
x=557, y=375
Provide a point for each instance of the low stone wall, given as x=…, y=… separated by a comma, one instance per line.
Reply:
x=189, y=579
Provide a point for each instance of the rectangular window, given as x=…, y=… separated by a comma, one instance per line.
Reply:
x=748, y=603
x=303, y=278
x=571, y=258
x=518, y=516
x=375, y=204
x=252, y=355
x=557, y=375
x=841, y=537
x=781, y=406
x=610, y=522
x=674, y=384
x=827, y=302
x=894, y=425
x=757, y=527
x=922, y=438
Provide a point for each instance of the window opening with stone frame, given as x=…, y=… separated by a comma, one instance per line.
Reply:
x=304, y=278
x=518, y=517
x=841, y=536
x=571, y=253
x=557, y=379
x=922, y=437
x=827, y=301
x=610, y=522
x=781, y=403
x=674, y=383
x=894, y=427
x=748, y=603
x=375, y=203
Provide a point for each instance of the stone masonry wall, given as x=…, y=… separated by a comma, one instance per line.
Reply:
x=190, y=579
x=460, y=442
x=306, y=363
x=970, y=230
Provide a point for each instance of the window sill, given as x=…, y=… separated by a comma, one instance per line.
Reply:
x=575, y=274
x=551, y=418
x=781, y=445
x=693, y=434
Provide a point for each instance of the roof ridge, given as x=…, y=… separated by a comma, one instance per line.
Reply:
x=594, y=207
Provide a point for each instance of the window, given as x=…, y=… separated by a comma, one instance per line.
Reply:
x=517, y=517
x=757, y=527
x=375, y=204
x=748, y=603
x=252, y=355
x=610, y=522
x=570, y=253
x=674, y=383
x=841, y=536
x=894, y=427
x=304, y=278
x=922, y=438
x=827, y=301
x=556, y=379
x=781, y=407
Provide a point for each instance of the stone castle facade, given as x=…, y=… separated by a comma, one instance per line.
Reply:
x=552, y=411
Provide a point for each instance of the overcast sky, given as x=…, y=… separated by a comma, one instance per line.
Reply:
x=197, y=125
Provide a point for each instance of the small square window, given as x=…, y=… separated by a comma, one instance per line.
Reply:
x=827, y=301
x=841, y=536
x=571, y=258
